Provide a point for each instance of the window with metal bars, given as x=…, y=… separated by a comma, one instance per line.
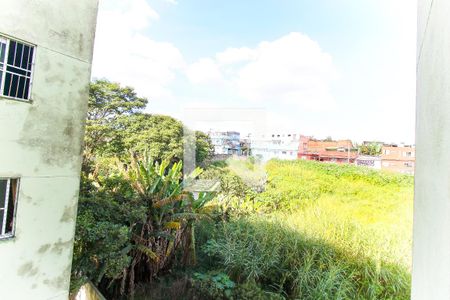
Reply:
x=8, y=203
x=16, y=68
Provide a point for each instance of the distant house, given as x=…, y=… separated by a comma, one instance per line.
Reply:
x=226, y=142
x=373, y=162
x=399, y=159
x=275, y=145
x=341, y=151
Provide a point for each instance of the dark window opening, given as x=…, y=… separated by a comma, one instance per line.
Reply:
x=8, y=204
x=16, y=64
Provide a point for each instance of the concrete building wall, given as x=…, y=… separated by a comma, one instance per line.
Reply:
x=275, y=146
x=431, y=251
x=398, y=166
x=227, y=142
x=41, y=144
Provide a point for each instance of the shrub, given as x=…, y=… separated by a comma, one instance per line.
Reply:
x=213, y=285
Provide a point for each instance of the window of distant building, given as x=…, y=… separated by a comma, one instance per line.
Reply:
x=407, y=154
x=16, y=68
x=8, y=203
x=409, y=164
x=387, y=152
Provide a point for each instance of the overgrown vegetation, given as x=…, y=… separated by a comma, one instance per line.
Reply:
x=320, y=231
x=135, y=218
x=285, y=230
x=132, y=223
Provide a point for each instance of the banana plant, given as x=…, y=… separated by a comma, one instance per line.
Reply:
x=171, y=214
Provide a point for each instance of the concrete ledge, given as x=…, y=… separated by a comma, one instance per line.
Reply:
x=89, y=292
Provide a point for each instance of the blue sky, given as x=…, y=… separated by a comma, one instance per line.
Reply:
x=324, y=68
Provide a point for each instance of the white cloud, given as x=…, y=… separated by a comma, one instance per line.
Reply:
x=124, y=54
x=204, y=71
x=174, y=2
x=235, y=55
x=291, y=70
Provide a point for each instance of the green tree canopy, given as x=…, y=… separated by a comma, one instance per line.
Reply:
x=204, y=147
x=116, y=124
x=373, y=149
x=160, y=136
x=108, y=101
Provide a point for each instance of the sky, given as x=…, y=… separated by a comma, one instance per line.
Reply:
x=339, y=68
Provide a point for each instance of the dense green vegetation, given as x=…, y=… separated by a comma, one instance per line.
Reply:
x=284, y=230
x=317, y=231
x=116, y=125
x=321, y=231
x=370, y=149
x=135, y=217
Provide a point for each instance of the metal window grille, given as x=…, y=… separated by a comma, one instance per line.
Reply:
x=8, y=201
x=16, y=68
x=3, y=44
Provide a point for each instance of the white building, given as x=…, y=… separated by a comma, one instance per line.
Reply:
x=225, y=142
x=373, y=162
x=45, y=63
x=275, y=145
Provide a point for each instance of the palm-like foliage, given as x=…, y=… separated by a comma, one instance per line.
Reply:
x=168, y=225
x=135, y=220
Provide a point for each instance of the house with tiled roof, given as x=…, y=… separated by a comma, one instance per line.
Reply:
x=341, y=151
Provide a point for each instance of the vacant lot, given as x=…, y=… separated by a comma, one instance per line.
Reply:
x=321, y=231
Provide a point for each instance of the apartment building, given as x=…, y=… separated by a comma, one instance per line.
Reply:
x=400, y=159
x=45, y=63
x=226, y=142
x=275, y=146
x=341, y=151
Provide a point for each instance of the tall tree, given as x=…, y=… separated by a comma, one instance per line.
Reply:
x=204, y=147
x=108, y=102
x=116, y=125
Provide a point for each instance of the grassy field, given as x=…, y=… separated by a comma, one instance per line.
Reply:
x=327, y=232
x=366, y=213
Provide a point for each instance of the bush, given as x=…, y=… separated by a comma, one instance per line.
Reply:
x=213, y=285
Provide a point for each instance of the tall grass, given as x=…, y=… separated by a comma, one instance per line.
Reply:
x=333, y=232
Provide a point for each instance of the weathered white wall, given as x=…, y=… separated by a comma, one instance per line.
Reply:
x=431, y=251
x=41, y=143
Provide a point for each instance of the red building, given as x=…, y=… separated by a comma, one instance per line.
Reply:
x=341, y=151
